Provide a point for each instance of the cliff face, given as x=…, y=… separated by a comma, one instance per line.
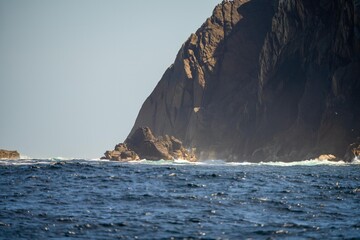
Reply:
x=309, y=79
x=264, y=80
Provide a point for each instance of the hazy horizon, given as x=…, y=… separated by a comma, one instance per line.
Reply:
x=74, y=74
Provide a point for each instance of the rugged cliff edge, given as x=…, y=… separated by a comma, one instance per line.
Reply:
x=265, y=80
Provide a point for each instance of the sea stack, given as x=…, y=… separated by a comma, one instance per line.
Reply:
x=264, y=80
x=6, y=154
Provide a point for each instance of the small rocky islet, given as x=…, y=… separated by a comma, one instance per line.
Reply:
x=142, y=144
x=6, y=154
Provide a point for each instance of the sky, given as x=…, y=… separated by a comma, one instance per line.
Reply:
x=74, y=73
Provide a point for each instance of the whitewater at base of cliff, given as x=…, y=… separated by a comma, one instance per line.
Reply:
x=25, y=160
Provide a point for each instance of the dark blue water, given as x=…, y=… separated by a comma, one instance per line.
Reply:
x=81, y=199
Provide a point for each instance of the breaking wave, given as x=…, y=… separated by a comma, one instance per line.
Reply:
x=25, y=160
x=311, y=162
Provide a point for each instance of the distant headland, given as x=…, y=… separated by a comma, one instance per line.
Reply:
x=6, y=154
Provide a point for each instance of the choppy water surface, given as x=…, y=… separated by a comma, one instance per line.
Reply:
x=42, y=199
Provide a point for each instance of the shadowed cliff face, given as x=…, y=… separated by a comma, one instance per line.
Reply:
x=264, y=80
x=309, y=80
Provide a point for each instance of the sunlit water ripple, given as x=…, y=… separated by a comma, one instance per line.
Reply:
x=52, y=198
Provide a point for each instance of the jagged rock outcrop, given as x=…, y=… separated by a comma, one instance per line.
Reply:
x=264, y=80
x=5, y=154
x=353, y=151
x=121, y=153
x=144, y=145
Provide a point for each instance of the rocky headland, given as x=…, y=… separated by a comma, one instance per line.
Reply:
x=142, y=144
x=6, y=154
x=265, y=80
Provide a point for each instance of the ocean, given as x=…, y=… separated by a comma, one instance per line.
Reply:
x=98, y=199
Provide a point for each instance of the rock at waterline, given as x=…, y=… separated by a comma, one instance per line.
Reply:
x=6, y=154
x=327, y=157
x=142, y=144
x=353, y=151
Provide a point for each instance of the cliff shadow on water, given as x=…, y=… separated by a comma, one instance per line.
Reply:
x=264, y=80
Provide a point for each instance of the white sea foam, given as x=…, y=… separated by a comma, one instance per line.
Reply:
x=213, y=162
x=25, y=160
x=311, y=162
x=25, y=157
x=161, y=162
x=218, y=162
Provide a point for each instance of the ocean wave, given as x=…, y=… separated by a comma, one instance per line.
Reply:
x=24, y=157
x=311, y=162
x=24, y=160
x=160, y=162
x=219, y=162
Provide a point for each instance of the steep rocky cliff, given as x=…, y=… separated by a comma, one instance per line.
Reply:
x=264, y=80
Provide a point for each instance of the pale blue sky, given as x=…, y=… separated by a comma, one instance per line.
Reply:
x=74, y=73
